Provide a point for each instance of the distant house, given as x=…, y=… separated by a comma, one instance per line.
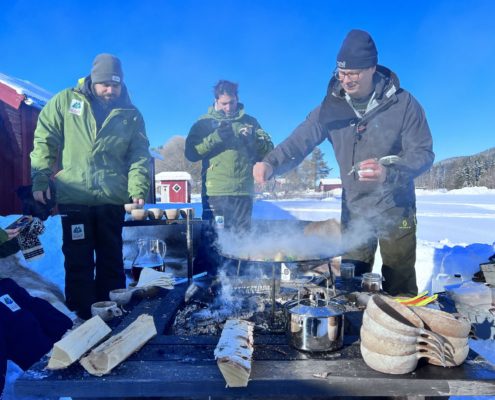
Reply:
x=20, y=104
x=173, y=187
x=327, y=184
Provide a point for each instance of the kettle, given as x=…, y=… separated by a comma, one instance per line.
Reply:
x=151, y=254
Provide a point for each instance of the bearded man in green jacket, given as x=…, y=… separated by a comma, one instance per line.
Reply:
x=97, y=137
x=228, y=142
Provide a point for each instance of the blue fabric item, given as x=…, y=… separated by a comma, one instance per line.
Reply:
x=27, y=332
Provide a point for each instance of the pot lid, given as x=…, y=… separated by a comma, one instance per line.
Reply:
x=322, y=309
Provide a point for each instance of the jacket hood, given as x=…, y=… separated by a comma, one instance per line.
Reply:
x=335, y=108
x=84, y=86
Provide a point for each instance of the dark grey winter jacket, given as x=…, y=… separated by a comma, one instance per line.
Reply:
x=395, y=126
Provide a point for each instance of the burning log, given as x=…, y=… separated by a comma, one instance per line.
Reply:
x=111, y=353
x=234, y=352
x=77, y=342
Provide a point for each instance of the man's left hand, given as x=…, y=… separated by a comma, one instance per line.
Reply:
x=372, y=171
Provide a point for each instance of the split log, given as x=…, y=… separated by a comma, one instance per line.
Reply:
x=112, y=352
x=78, y=342
x=234, y=352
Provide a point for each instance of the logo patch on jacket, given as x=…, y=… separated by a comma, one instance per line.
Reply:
x=76, y=107
x=9, y=302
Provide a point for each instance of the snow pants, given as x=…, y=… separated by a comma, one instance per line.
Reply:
x=92, y=246
x=29, y=326
x=236, y=212
x=395, y=231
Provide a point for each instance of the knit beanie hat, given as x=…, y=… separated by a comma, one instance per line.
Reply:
x=358, y=51
x=106, y=68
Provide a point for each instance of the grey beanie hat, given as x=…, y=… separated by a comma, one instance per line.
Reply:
x=106, y=68
x=358, y=51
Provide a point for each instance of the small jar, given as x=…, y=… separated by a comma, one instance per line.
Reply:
x=371, y=282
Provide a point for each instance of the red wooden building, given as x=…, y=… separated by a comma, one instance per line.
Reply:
x=327, y=184
x=173, y=187
x=20, y=105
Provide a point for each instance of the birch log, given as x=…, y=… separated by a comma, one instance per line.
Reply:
x=116, y=349
x=78, y=342
x=234, y=352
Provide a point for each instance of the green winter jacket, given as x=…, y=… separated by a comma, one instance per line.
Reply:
x=108, y=166
x=3, y=236
x=227, y=165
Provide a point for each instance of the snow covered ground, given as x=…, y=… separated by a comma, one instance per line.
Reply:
x=456, y=232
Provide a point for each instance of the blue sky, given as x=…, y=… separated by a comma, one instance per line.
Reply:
x=281, y=53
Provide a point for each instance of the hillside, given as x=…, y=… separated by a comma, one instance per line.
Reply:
x=459, y=172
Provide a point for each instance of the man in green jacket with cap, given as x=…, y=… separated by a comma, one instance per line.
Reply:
x=97, y=137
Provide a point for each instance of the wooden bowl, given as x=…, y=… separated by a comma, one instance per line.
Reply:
x=155, y=213
x=139, y=214
x=171, y=213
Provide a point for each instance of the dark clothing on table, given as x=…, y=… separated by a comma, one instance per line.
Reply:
x=29, y=326
x=86, y=231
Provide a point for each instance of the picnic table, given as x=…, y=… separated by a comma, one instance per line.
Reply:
x=171, y=366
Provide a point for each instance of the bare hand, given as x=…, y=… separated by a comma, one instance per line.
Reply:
x=12, y=233
x=372, y=171
x=137, y=201
x=38, y=195
x=262, y=171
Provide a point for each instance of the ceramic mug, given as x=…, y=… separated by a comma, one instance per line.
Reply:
x=106, y=310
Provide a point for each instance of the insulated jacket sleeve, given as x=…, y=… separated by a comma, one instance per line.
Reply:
x=203, y=141
x=264, y=143
x=3, y=236
x=48, y=138
x=302, y=141
x=139, y=163
x=417, y=155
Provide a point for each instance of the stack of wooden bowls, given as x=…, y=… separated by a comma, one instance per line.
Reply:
x=394, y=337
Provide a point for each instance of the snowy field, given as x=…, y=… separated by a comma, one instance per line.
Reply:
x=456, y=232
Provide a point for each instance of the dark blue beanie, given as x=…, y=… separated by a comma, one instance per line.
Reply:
x=358, y=51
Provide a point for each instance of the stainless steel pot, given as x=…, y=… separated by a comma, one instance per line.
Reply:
x=315, y=325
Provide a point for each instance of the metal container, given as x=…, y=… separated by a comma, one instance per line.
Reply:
x=315, y=325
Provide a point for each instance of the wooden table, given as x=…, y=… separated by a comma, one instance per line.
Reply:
x=184, y=367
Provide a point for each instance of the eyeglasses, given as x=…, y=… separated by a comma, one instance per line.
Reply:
x=353, y=75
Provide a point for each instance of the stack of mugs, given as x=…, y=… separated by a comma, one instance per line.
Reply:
x=394, y=337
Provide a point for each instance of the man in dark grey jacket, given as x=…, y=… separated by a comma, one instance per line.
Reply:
x=382, y=142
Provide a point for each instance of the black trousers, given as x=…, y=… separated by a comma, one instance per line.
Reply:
x=236, y=212
x=29, y=326
x=395, y=231
x=92, y=246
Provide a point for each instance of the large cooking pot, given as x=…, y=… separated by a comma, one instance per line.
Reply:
x=315, y=325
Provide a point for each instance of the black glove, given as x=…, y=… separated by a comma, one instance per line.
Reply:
x=225, y=131
x=32, y=207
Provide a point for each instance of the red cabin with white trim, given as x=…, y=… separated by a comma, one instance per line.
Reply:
x=173, y=187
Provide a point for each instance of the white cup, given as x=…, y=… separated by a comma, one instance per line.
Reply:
x=106, y=310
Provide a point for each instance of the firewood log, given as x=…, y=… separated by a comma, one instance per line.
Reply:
x=77, y=342
x=116, y=349
x=234, y=352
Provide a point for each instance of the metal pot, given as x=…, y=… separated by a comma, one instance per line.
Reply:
x=315, y=325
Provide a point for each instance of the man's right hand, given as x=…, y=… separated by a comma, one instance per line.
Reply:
x=262, y=171
x=225, y=131
x=38, y=195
